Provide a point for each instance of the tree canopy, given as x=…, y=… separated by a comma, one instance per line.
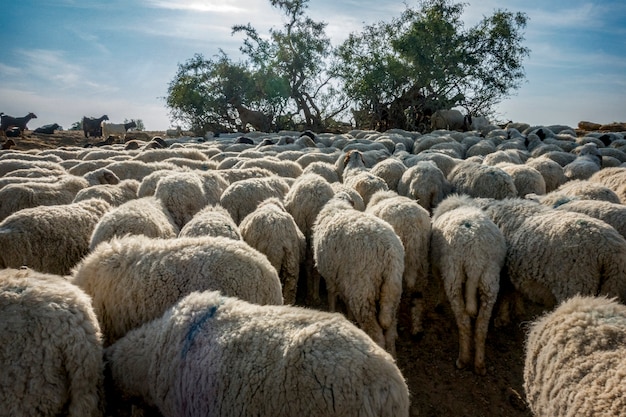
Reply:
x=392, y=74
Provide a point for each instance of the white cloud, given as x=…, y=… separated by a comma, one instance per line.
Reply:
x=200, y=6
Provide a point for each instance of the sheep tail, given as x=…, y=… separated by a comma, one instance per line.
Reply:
x=471, y=292
x=390, y=292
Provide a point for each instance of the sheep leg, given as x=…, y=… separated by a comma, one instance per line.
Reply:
x=464, y=324
x=480, y=334
x=417, y=310
x=391, y=334
x=290, y=286
x=312, y=281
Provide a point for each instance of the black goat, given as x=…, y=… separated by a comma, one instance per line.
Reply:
x=92, y=127
x=47, y=129
x=7, y=122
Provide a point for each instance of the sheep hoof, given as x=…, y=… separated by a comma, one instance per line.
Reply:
x=460, y=364
x=480, y=370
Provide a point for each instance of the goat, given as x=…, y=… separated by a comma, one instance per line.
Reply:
x=258, y=120
x=47, y=129
x=7, y=122
x=117, y=129
x=92, y=127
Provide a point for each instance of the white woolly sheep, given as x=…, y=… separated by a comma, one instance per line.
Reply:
x=143, y=216
x=483, y=181
x=610, y=213
x=182, y=195
x=304, y=200
x=613, y=178
x=527, y=179
x=216, y=355
x=574, y=363
x=361, y=259
x=467, y=253
x=15, y=197
x=134, y=279
x=311, y=157
x=49, y=239
x=557, y=254
x=425, y=183
x=242, y=197
x=411, y=222
x=390, y=170
x=160, y=155
x=136, y=170
x=213, y=220
x=366, y=184
x=449, y=120
x=9, y=165
x=579, y=189
x=352, y=164
x=551, y=171
x=282, y=168
x=588, y=161
x=115, y=195
x=324, y=169
x=234, y=175
x=271, y=230
x=50, y=348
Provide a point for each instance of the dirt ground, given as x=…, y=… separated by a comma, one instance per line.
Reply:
x=437, y=388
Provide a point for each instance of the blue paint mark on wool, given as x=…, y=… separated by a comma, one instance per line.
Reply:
x=195, y=328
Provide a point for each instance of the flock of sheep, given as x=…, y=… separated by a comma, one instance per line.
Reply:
x=167, y=280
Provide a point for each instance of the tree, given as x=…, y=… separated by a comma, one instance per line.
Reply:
x=298, y=54
x=401, y=71
x=199, y=95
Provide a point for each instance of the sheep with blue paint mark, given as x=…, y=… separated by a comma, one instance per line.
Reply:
x=215, y=355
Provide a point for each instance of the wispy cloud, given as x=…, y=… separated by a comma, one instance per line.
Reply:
x=196, y=6
x=8, y=70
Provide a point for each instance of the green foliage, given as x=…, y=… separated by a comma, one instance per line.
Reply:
x=393, y=74
x=77, y=125
x=425, y=60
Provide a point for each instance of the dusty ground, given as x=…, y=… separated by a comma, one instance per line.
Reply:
x=437, y=387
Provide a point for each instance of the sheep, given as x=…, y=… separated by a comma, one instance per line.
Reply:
x=610, y=213
x=425, y=183
x=484, y=181
x=50, y=348
x=160, y=155
x=134, y=279
x=390, y=170
x=551, y=171
x=361, y=259
x=114, y=194
x=588, y=161
x=101, y=176
x=7, y=122
x=352, y=164
x=556, y=254
x=92, y=126
x=468, y=251
x=234, y=175
x=449, y=120
x=304, y=200
x=579, y=189
x=411, y=222
x=282, y=168
x=324, y=169
x=182, y=195
x=271, y=230
x=527, y=179
x=10, y=165
x=366, y=184
x=241, y=198
x=49, y=239
x=265, y=361
x=613, y=178
x=136, y=170
x=141, y=216
x=212, y=220
x=574, y=360
x=15, y=197
x=311, y=157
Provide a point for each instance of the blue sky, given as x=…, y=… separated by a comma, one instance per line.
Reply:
x=63, y=59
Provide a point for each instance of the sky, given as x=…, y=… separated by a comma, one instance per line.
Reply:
x=65, y=59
